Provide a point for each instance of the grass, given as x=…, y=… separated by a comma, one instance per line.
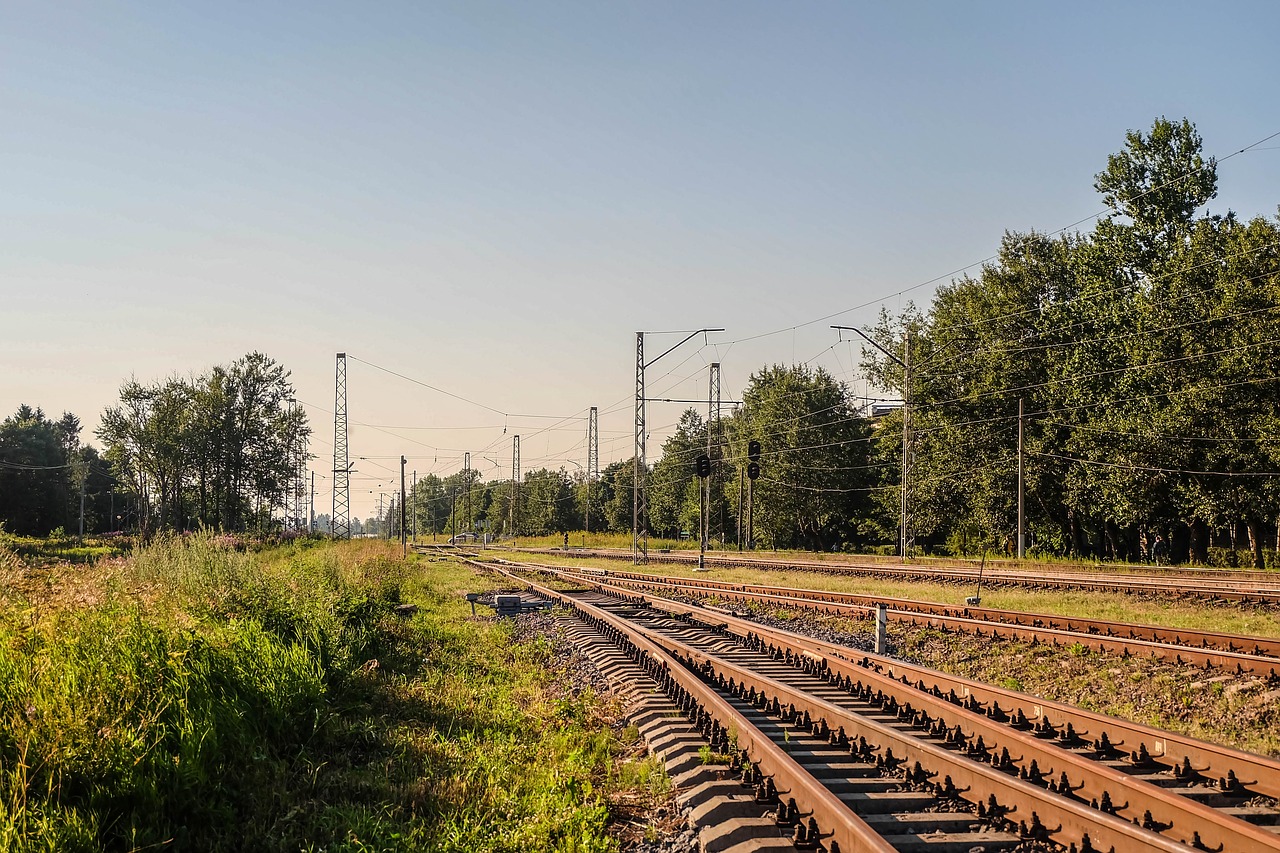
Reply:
x=194, y=697
x=61, y=547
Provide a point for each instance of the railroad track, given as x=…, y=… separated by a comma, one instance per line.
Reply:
x=1237, y=653
x=1240, y=587
x=848, y=721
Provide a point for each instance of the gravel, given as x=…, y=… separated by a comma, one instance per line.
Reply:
x=663, y=826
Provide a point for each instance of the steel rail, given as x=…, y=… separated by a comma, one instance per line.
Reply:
x=1200, y=758
x=1262, y=646
x=1022, y=626
x=840, y=828
x=1040, y=760
x=992, y=563
x=1242, y=592
x=979, y=782
x=995, y=565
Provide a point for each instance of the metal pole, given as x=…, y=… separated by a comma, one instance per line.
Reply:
x=467, y=476
x=404, y=528
x=702, y=546
x=751, y=515
x=713, y=442
x=905, y=543
x=415, y=507
x=882, y=628
x=741, y=487
x=1022, y=548
x=904, y=532
x=311, y=517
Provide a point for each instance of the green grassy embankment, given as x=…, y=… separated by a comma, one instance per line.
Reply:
x=192, y=697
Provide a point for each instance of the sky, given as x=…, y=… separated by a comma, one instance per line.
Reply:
x=491, y=199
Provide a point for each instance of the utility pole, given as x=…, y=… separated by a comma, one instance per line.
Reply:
x=741, y=488
x=905, y=539
x=311, y=516
x=415, y=507
x=639, y=498
x=340, y=523
x=515, y=489
x=84, y=475
x=908, y=450
x=404, y=530
x=713, y=439
x=1022, y=547
x=453, y=516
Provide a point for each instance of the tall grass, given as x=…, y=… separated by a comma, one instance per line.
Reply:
x=211, y=699
x=173, y=716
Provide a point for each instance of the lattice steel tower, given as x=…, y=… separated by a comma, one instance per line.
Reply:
x=593, y=446
x=515, y=486
x=639, y=501
x=593, y=468
x=340, y=524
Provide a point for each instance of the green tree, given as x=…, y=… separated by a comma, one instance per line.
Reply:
x=816, y=471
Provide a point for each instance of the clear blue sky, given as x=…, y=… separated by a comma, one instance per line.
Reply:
x=493, y=198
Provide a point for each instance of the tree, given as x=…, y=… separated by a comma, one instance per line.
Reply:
x=219, y=449
x=33, y=473
x=1158, y=182
x=816, y=473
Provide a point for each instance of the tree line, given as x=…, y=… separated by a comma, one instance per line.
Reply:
x=1142, y=354
x=220, y=449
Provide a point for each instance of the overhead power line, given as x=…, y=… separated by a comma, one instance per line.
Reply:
x=945, y=276
x=1153, y=469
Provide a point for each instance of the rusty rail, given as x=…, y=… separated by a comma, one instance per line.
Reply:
x=839, y=828
x=1260, y=587
x=1264, y=660
x=919, y=687
x=978, y=781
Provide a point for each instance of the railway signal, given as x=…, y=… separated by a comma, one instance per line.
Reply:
x=702, y=466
